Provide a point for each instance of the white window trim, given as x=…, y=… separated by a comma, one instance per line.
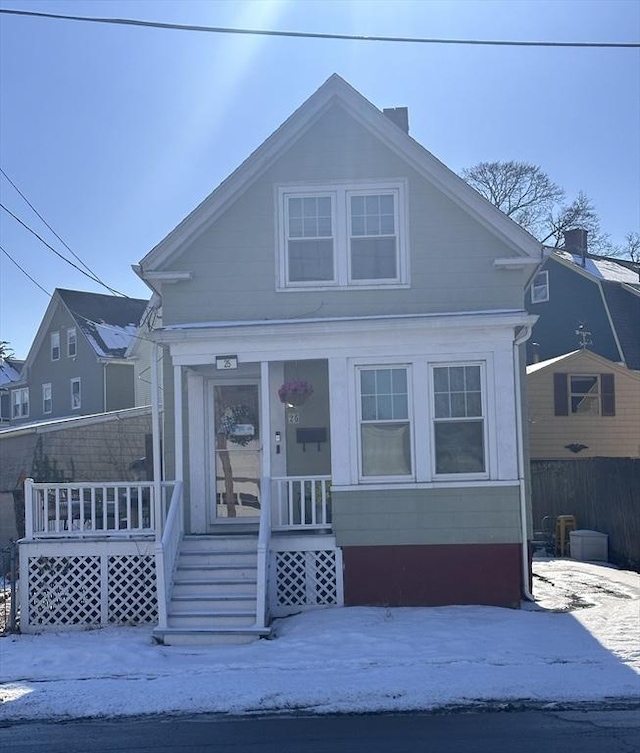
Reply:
x=362, y=479
x=420, y=387
x=544, y=297
x=485, y=421
x=340, y=193
x=45, y=387
x=20, y=402
x=56, y=336
x=72, y=331
x=78, y=381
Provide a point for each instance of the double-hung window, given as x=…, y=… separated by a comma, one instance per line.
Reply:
x=76, y=395
x=20, y=403
x=47, y=398
x=459, y=419
x=540, y=287
x=343, y=236
x=72, y=342
x=385, y=427
x=373, y=242
x=309, y=224
x=55, y=346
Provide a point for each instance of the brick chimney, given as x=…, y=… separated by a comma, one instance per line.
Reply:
x=575, y=242
x=399, y=116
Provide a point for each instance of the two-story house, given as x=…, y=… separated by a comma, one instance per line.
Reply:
x=342, y=337
x=76, y=365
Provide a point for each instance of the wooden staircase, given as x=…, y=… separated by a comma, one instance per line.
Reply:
x=214, y=594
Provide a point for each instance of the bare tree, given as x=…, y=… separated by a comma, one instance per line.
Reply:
x=527, y=194
x=522, y=191
x=630, y=249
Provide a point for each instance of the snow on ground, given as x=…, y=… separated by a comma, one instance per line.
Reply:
x=579, y=643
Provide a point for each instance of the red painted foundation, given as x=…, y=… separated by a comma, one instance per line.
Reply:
x=433, y=575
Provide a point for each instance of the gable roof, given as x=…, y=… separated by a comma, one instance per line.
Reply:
x=337, y=91
x=108, y=322
x=567, y=359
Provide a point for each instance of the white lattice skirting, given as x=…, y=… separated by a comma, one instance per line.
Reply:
x=303, y=575
x=87, y=584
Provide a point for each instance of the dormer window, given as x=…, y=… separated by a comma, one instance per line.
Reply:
x=343, y=236
x=55, y=346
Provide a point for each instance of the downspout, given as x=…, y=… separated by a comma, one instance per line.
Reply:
x=155, y=437
x=521, y=337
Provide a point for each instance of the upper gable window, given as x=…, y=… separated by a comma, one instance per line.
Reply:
x=342, y=236
x=584, y=394
x=72, y=342
x=55, y=346
x=540, y=287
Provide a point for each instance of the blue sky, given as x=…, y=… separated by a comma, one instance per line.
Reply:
x=116, y=133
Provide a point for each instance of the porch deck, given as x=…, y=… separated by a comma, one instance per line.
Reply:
x=103, y=554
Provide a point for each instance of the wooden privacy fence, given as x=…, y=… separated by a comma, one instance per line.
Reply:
x=602, y=493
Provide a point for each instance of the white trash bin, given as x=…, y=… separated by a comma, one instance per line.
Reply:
x=591, y=546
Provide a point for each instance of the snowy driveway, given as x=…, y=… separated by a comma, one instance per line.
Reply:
x=580, y=643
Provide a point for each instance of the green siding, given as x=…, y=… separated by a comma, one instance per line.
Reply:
x=478, y=515
x=233, y=262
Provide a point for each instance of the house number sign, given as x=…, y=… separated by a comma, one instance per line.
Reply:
x=225, y=363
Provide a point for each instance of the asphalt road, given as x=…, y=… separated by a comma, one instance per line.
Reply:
x=591, y=731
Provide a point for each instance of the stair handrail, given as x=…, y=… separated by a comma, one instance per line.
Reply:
x=264, y=536
x=167, y=549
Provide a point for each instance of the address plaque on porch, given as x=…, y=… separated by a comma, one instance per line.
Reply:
x=225, y=363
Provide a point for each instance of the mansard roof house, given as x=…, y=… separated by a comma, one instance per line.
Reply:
x=584, y=300
x=342, y=416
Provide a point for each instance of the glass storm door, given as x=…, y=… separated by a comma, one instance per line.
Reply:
x=237, y=451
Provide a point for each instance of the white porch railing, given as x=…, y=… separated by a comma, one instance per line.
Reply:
x=301, y=503
x=78, y=510
x=167, y=550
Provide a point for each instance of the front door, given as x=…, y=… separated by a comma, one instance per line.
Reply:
x=237, y=450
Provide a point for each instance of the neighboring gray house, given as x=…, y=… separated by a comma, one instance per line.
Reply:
x=76, y=365
x=342, y=334
x=10, y=369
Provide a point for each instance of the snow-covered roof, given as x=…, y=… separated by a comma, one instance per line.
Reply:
x=9, y=371
x=601, y=268
x=108, y=322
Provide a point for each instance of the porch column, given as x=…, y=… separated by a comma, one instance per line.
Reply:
x=341, y=431
x=265, y=422
x=155, y=430
x=178, y=420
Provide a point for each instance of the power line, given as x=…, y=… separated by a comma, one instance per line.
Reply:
x=93, y=278
x=24, y=272
x=312, y=34
x=48, y=225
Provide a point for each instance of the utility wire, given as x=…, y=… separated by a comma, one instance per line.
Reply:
x=24, y=272
x=48, y=225
x=310, y=34
x=57, y=253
